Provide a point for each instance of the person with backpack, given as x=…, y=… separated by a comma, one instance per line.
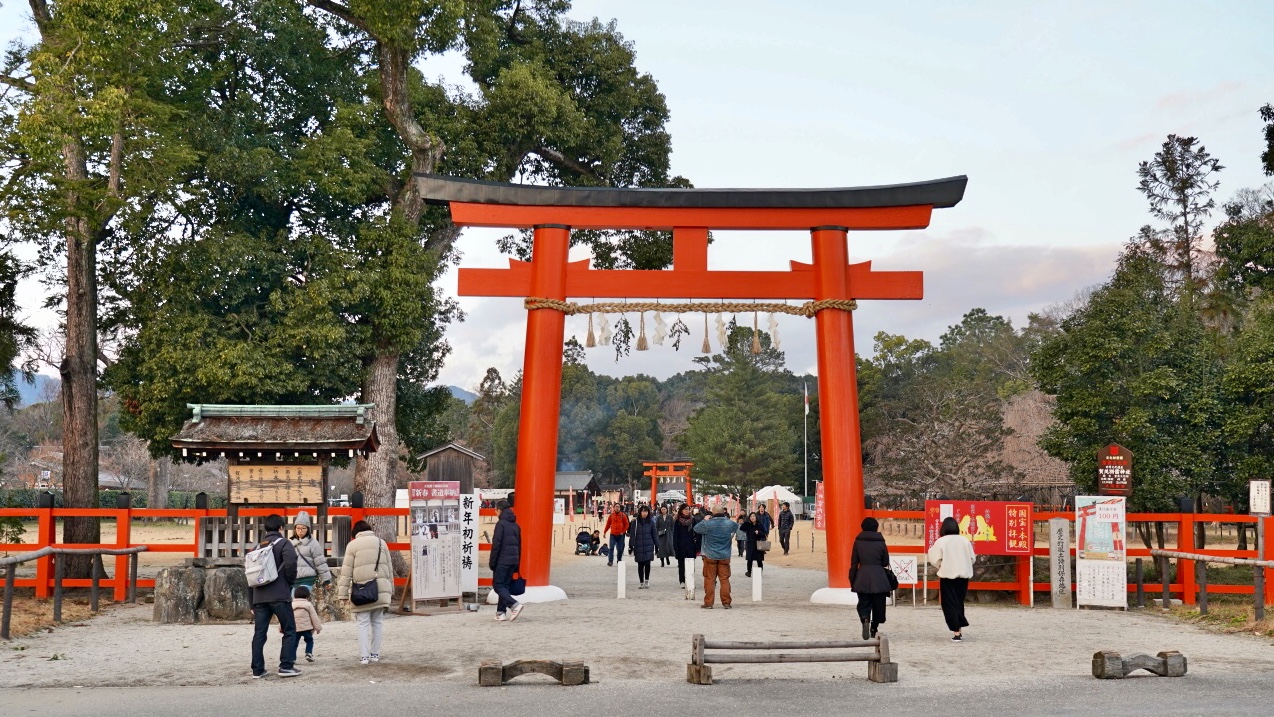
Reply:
x=311, y=560
x=271, y=570
x=617, y=525
x=367, y=581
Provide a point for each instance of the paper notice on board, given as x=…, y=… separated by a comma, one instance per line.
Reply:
x=946, y=510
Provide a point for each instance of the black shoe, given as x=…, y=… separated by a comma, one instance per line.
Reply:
x=747, y=575
x=866, y=630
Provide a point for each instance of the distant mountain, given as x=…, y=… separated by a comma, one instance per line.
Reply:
x=45, y=388
x=467, y=396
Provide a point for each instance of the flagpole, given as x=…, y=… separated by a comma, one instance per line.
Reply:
x=807, y=444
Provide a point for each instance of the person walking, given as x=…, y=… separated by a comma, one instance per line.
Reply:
x=274, y=600
x=311, y=559
x=755, y=531
x=716, y=533
x=617, y=524
x=367, y=559
x=685, y=541
x=764, y=518
x=307, y=619
x=741, y=535
x=663, y=529
x=645, y=540
x=505, y=559
x=786, y=520
x=868, y=563
x=952, y=555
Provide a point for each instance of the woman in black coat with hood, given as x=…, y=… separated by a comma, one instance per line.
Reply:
x=868, y=564
x=685, y=541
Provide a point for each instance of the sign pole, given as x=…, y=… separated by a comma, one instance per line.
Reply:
x=1258, y=504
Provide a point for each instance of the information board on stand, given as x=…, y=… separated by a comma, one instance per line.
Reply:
x=1101, y=569
x=437, y=545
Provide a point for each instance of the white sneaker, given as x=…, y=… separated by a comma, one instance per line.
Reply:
x=499, y=617
x=364, y=661
x=517, y=610
x=375, y=657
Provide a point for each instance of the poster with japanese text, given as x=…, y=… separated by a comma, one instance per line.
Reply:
x=820, y=512
x=436, y=539
x=993, y=527
x=1101, y=571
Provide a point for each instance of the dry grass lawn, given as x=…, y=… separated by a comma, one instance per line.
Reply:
x=31, y=616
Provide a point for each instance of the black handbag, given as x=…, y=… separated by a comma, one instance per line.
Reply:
x=893, y=579
x=368, y=592
x=517, y=585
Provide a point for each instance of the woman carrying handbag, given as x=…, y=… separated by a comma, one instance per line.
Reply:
x=367, y=581
x=757, y=544
x=870, y=576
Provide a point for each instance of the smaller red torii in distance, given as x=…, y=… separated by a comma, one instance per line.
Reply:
x=657, y=470
x=829, y=281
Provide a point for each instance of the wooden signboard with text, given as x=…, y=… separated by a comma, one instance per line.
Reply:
x=277, y=483
x=1114, y=471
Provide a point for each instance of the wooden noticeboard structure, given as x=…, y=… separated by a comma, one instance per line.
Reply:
x=276, y=454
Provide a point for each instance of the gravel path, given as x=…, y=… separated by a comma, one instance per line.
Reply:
x=646, y=637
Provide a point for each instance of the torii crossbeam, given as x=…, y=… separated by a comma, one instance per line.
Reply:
x=829, y=281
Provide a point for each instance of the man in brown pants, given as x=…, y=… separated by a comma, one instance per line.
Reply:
x=718, y=535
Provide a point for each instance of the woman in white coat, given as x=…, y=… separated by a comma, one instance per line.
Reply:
x=952, y=555
x=367, y=558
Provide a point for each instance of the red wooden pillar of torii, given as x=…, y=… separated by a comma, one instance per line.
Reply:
x=830, y=282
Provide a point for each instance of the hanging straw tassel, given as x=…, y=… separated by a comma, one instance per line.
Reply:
x=707, y=348
x=591, y=340
x=756, y=335
x=641, y=334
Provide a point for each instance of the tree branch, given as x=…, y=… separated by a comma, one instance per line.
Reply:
x=18, y=82
x=341, y=11
x=40, y=11
x=557, y=157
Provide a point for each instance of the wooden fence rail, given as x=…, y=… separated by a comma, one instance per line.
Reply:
x=11, y=564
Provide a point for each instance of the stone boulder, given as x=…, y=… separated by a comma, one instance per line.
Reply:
x=328, y=607
x=226, y=596
x=179, y=594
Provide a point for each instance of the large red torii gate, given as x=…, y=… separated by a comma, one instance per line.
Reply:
x=829, y=282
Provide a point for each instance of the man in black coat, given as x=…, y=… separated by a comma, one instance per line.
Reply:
x=274, y=599
x=506, y=556
x=868, y=576
x=786, y=521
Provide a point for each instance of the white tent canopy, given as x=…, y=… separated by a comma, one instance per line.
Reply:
x=776, y=492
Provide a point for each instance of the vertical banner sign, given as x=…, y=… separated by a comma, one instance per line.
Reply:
x=436, y=539
x=1101, y=570
x=994, y=527
x=1114, y=471
x=559, y=511
x=820, y=512
x=1059, y=561
x=469, y=505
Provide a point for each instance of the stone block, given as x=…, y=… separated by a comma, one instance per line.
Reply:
x=178, y=595
x=226, y=595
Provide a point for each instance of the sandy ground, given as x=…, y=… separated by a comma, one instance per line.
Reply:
x=644, y=637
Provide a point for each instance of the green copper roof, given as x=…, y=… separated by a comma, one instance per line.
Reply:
x=351, y=410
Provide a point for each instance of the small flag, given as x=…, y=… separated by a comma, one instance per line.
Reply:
x=807, y=399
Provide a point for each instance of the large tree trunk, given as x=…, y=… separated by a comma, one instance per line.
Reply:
x=158, y=481
x=79, y=371
x=377, y=475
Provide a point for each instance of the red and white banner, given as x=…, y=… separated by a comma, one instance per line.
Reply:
x=820, y=513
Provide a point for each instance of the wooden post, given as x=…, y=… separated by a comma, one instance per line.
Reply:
x=9, y=577
x=1185, y=568
x=123, y=536
x=59, y=568
x=1201, y=567
x=132, y=577
x=1141, y=584
x=95, y=565
x=1258, y=577
x=47, y=527
x=1163, y=576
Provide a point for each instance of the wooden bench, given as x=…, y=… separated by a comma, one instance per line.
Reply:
x=879, y=668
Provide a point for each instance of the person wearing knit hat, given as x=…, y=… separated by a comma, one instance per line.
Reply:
x=311, y=562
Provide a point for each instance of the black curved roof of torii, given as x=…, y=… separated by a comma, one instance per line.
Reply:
x=938, y=193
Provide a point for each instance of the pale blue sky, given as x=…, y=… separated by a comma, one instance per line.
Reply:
x=1046, y=107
